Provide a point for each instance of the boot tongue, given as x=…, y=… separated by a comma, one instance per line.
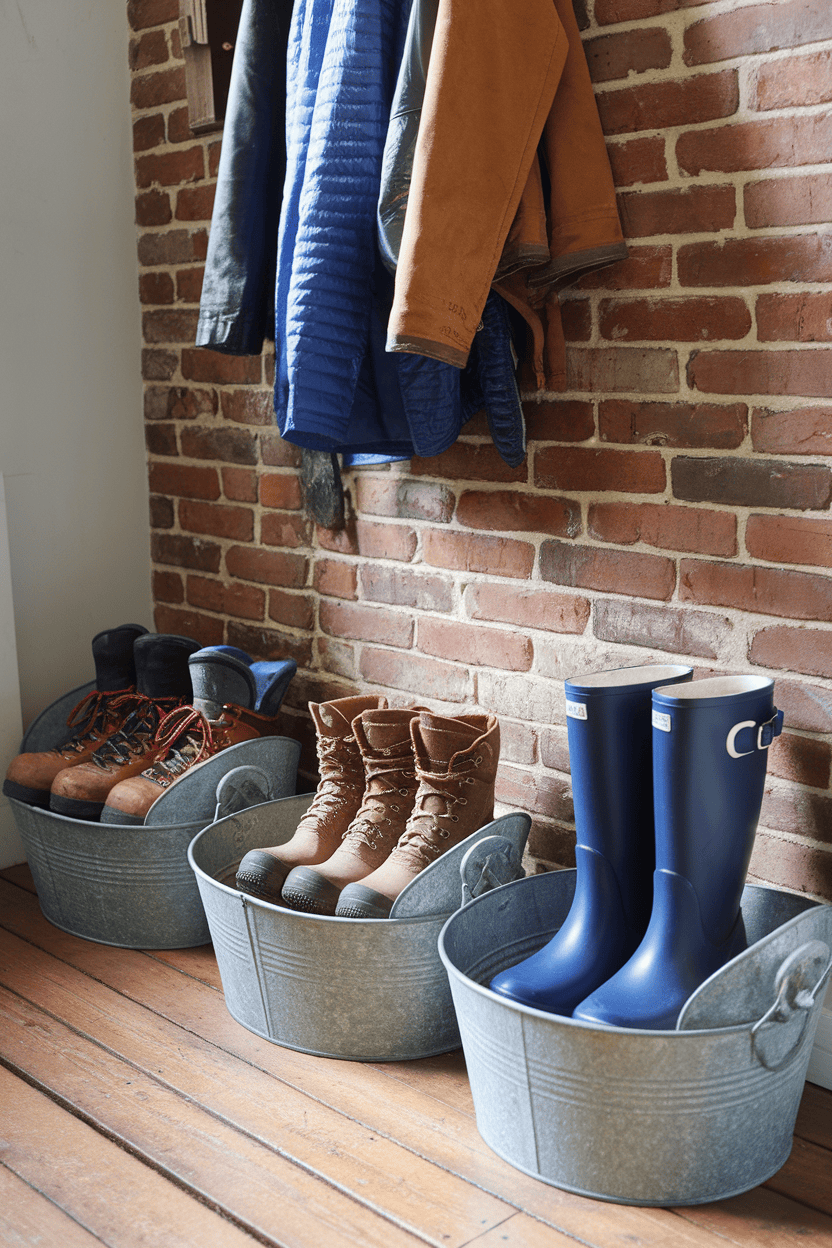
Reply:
x=442, y=738
x=334, y=719
x=385, y=729
x=218, y=677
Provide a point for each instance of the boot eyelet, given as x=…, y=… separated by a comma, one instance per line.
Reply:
x=463, y=801
x=454, y=818
x=393, y=808
x=444, y=835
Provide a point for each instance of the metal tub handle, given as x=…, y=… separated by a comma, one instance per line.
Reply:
x=809, y=964
x=493, y=861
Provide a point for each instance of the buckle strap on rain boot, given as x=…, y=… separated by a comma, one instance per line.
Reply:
x=761, y=735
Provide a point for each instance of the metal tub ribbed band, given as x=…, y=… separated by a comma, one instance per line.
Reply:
x=650, y=1097
x=228, y=936
x=94, y=871
x=500, y=1059
x=425, y=971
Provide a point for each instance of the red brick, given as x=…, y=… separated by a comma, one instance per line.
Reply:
x=659, y=105
x=751, y=483
x=701, y=531
x=249, y=407
x=189, y=285
x=797, y=80
x=280, y=489
x=618, y=572
x=179, y=131
x=171, y=247
x=184, y=481
x=554, y=844
x=202, y=628
x=803, y=760
x=616, y=56
x=518, y=743
x=554, y=749
x=293, y=610
x=799, y=813
x=153, y=208
x=800, y=373
x=161, y=512
x=624, y=368
x=240, y=484
x=404, y=588
x=230, y=445
x=218, y=519
x=576, y=319
x=403, y=499
x=285, y=528
x=276, y=453
x=149, y=132
x=340, y=541
x=786, y=864
x=798, y=199
x=336, y=657
x=532, y=699
x=646, y=268
x=481, y=647
x=386, y=541
x=469, y=552
x=161, y=439
x=672, y=629
x=770, y=144
x=169, y=325
x=673, y=320
x=672, y=424
x=508, y=510
x=423, y=677
x=794, y=318
x=693, y=211
x=533, y=791
x=270, y=643
x=478, y=462
x=212, y=366
x=756, y=28
x=167, y=587
x=638, y=160
x=158, y=365
x=156, y=288
x=351, y=619
x=234, y=599
x=806, y=650
x=558, y=420
x=164, y=87
x=790, y=539
x=185, y=403
x=144, y=13
x=527, y=608
x=610, y=11
x=769, y=591
x=194, y=203
x=599, y=468
x=807, y=708
x=185, y=552
x=214, y=152
x=336, y=579
x=149, y=49
x=267, y=567
x=800, y=431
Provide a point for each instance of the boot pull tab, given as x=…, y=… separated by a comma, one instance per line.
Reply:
x=488, y=864
x=765, y=734
x=800, y=977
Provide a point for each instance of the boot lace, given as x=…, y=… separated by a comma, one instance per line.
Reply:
x=426, y=832
x=337, y=780
x=386, y=779
x=94, y=715
x=189, y=737
x=135, y=737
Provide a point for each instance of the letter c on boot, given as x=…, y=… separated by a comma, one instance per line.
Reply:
x=732, y=736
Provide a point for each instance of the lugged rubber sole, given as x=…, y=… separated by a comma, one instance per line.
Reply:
x=306, y=889
x=75, y=808
x=261, y=875
x=359, y=902
x=32, y=797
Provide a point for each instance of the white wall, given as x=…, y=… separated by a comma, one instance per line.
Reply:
x=71, y=435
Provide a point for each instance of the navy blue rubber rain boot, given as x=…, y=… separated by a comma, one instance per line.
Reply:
x=609, y=734
x=709, y=765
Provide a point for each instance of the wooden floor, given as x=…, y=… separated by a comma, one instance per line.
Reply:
x=135, y=1111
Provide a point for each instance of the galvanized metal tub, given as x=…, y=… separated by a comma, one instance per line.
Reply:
x=641, y=1117
x=362, y=989
x=131, y=885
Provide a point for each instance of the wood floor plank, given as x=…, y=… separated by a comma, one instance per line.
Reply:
x=28, y=1218
x=97, y=1184
x=410, y=1190
x=806, y=1176
x=408, y=1101
x=763, y=1219
x=19, y=875
x=814, y=1119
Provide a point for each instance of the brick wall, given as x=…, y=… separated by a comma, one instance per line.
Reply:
x=675, y=502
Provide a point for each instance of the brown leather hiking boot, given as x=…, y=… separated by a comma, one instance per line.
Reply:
x=95, y=718
x=456, y=766
x=390, y=791
x=335, y=804
x=162, y=683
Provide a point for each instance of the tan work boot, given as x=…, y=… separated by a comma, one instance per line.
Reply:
x=456, y=766
x=337, y=799
x=390, y=770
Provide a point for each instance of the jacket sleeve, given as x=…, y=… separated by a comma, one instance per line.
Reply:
x=490, y=87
